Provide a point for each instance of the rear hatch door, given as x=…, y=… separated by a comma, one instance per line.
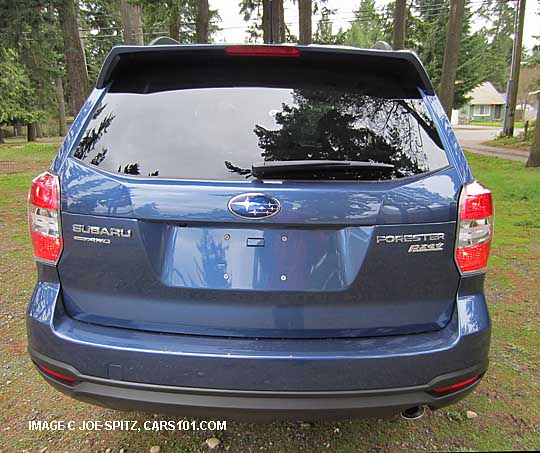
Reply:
x=167, y=229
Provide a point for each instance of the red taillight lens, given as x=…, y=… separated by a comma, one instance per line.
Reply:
x=263, y=51
x=454, y=387
x=476, y=202
x=44, y=191
x=473, y=258
x=44, y=217
x=475, y=228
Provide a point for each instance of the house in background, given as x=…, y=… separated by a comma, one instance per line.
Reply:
x=486, y=104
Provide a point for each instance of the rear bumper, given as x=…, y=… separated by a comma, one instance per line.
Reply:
x=252, y=405
x=133, y=370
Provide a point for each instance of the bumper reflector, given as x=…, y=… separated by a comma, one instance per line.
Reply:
x=454, y=387
x=57, y=375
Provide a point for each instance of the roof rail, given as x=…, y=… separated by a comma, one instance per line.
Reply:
x=162, y=40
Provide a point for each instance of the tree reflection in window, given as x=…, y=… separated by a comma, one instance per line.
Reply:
x=130, y=169
x=326, y=125
x=99, y=157
x=93, y=135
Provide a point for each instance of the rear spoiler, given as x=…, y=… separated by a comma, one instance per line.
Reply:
x=400, y=69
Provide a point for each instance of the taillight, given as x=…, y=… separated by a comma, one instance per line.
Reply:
x=262, y=51
x=475, y=228
x=44, y=217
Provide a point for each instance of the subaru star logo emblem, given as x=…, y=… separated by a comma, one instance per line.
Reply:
x=254, y=206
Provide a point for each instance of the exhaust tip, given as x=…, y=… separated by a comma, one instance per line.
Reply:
x=413, y=413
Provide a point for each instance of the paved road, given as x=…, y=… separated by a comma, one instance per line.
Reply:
x=472, y=138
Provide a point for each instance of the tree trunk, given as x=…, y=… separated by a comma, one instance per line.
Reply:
x=277, y=26
x=81, y=39
x=266, y=21
x=451, y=55
x=1, y=136
x=534, y=156
x=400, y=18
x=305, y=9
x=31, y=132
x=282, y=27
x=131, y=19
x=62, y=122
x=77, y=72
x=513, y=81
x=203, y=14
x=174, y=22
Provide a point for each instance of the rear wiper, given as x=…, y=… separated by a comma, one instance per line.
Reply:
x=259, y=169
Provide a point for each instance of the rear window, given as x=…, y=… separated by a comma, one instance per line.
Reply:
x=218, y=133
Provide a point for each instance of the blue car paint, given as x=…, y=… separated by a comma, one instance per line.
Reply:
x=417, y=199
x=301, y=365
x=303, y=305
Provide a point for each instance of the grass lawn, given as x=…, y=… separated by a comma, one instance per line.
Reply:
x=507, y=401
x=517, y=124
x=521, y=141
x=517, y=141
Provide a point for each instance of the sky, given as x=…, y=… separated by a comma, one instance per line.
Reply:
x=234, y=28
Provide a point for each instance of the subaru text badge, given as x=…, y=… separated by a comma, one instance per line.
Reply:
x=254, y=206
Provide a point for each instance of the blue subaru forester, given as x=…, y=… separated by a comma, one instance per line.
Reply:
x=274, y=231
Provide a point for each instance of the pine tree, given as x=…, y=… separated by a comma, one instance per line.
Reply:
x=367, y=29
x=15, y=90
x=427, y=35
x=498, y=33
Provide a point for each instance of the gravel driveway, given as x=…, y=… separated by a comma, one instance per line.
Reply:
x=473, y=138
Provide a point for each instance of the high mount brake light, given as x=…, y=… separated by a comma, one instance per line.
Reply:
x=263, y=51
x=44, y=218
x=475, y=228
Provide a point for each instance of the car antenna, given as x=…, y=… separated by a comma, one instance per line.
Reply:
x=382, y=45
x=162, y=40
